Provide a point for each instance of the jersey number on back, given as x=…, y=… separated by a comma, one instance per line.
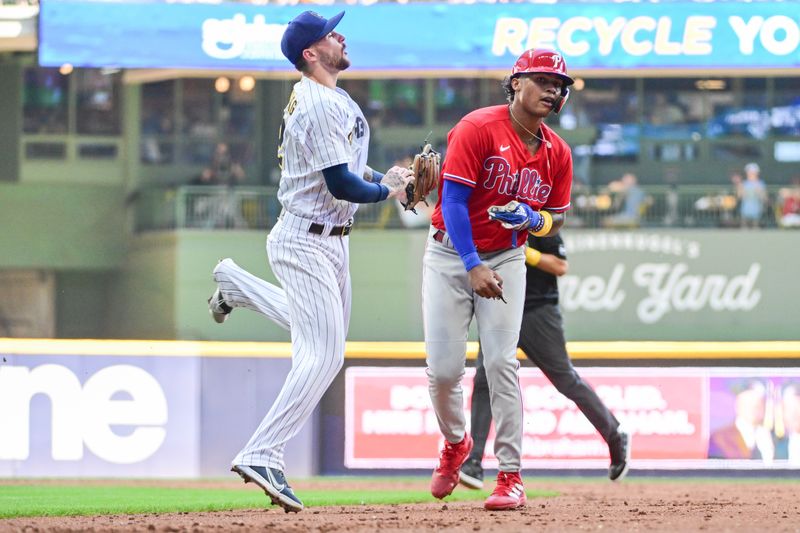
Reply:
x=290, y=107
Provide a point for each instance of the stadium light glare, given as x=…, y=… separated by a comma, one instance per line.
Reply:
x=222, y=84
x=710, y=85
x=247, y=83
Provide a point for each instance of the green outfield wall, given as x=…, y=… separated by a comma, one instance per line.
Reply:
x=682, y=285
x=638, y=285
x=61, y=226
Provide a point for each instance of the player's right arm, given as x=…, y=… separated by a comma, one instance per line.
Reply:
x=465, y=149
x=550, y=263
x=483, y=280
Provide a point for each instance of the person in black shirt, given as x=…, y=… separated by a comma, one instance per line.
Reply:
x=542, y=339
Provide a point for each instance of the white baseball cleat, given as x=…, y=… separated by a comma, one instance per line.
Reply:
x=216, y=303
x=218, y=308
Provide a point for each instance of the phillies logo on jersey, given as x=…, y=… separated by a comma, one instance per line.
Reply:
x=523, y=184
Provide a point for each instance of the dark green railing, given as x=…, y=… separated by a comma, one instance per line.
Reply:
x=257, y=208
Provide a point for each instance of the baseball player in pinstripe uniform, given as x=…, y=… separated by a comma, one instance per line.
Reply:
x=324, y=176
x=506, y=174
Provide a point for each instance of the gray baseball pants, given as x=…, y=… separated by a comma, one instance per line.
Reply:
x=449, y=304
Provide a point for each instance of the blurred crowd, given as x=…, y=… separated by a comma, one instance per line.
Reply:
x=746, y=203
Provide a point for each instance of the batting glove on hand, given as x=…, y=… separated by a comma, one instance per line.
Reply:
x=515, y=216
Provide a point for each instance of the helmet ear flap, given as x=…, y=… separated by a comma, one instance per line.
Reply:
x=561, y=99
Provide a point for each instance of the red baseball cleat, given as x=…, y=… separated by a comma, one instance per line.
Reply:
x=445, y=477
x=509, y=493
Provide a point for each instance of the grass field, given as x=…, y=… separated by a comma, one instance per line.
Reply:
x=692, y=504
x=54, y=499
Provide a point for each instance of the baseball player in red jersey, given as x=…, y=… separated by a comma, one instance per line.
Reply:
x=505, y=174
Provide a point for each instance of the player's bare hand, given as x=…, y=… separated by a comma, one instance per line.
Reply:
x=396, y=179
x=486, y=282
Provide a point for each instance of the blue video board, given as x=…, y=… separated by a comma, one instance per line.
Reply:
x=431, y=37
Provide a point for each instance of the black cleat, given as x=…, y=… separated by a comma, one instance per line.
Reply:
x=620, y=450
x=471, y=474
x=274, y=484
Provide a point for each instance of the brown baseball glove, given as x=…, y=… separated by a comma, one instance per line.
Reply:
x=425, y=169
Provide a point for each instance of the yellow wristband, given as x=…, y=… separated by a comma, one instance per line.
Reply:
x=532, y=256
x=547, y=226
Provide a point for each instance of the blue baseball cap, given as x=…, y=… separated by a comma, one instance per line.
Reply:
x=305, y=29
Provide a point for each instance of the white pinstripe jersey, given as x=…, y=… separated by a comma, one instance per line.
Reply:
x=321, y=127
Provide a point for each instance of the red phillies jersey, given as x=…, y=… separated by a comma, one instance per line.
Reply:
x=485, y=153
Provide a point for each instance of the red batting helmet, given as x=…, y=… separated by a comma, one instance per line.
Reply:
x=543, y=61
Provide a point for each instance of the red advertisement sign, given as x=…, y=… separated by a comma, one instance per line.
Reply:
x=390, y=422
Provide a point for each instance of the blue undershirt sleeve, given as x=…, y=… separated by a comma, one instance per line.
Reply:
x=376, y=176
x=456, y=219
x=344, y=185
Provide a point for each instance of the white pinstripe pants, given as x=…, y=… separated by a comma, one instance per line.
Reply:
x=314, y=304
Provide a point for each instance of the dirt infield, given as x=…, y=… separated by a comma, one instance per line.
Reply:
x=634, y=505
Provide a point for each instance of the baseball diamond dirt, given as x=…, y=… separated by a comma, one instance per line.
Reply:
x=649, y=504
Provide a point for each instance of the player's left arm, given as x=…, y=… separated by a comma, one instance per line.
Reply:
x=344, y=185
x=371, y=175
x=519, y=216
x=555, y=211
x=552, y=221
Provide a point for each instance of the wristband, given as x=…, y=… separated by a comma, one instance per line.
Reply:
x=532, y=256
x=547, y=225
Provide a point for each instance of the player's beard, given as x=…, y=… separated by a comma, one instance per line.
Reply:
x=330, y=60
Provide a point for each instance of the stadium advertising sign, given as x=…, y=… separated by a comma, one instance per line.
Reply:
x=678, y=417
x=106, y=408
x=98, y=416
x=687, y=285
x=686, y=35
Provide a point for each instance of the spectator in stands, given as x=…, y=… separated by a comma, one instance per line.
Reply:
x=736, y=182
x=153, y=127
x=665, y=111
x=223, y=169
x=584, y=204
x=747, y=437
x=726, y=204
x=671, y=198
x=220, y=208
x=752, y=197
x=789, y=216
x=629, y=200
